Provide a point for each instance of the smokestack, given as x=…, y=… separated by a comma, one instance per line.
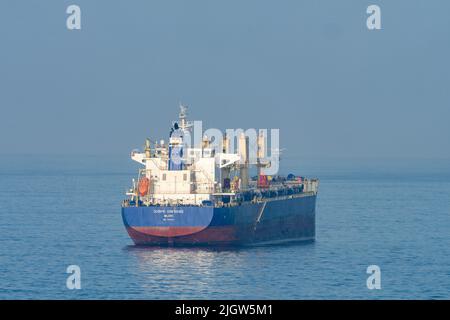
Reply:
x=147, y=148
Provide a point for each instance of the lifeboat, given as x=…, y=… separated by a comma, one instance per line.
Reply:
x=144, y=183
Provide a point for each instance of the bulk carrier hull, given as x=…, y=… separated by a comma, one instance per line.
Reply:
x=271, y=221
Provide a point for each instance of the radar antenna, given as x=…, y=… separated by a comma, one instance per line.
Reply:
x=183, y=123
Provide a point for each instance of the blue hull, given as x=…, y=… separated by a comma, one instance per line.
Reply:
x=249, y=223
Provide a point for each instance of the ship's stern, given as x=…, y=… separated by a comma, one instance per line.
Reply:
x=166, y=225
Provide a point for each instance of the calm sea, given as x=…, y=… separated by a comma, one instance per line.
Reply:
x=62, y=210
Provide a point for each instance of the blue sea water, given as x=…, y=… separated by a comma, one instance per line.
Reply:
x=57, y=211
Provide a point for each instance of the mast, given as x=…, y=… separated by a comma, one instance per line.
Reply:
x=183, y=123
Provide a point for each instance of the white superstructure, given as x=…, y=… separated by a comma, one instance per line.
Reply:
x=175, y=173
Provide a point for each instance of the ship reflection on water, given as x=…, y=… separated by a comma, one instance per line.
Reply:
x=185, y=272
x=170, y=257
x=204, y=272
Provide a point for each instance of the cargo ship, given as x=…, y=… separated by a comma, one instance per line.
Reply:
x=196, y=195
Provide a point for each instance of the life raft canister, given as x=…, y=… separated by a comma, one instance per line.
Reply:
x=143, y=186
x=263, y=181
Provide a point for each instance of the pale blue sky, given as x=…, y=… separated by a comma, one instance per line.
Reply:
x=310, y=68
